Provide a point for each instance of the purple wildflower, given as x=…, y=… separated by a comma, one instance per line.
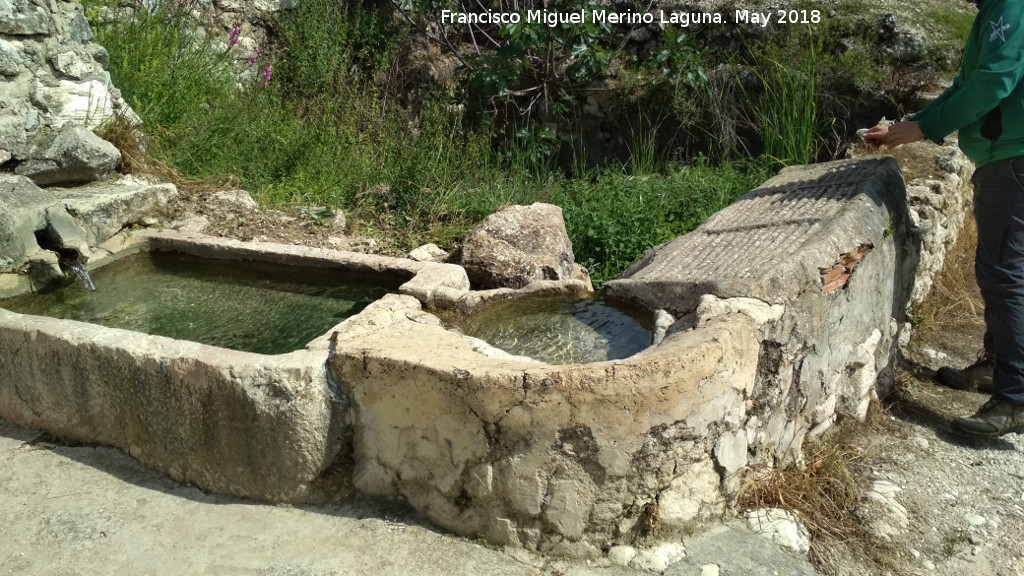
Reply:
x=234, y=34
x=252, y=60
x=266, y=76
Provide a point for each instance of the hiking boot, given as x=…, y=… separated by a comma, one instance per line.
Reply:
x=977, y=376
x=994, y=418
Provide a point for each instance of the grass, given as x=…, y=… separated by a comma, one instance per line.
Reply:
x=786, y=108
x=953, y=540
x=823, y=491
x=954, y=26
x=322, y=120
x=954, y=304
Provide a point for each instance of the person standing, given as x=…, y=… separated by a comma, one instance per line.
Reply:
x=985, y=104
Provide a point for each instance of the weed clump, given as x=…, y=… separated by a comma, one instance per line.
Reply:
x=823, y=490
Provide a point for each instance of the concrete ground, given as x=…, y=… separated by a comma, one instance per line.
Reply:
x=85, y=510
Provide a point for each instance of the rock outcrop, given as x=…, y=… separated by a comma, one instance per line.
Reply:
x=56, y=92
x=40, y=227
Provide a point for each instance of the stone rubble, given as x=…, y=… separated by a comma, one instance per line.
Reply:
x=428, y=253
x=883, y=514
x=780, y=527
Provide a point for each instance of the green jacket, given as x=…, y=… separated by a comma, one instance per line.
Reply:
x=986, y=101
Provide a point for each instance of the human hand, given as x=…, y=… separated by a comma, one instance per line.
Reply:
x=894, y=135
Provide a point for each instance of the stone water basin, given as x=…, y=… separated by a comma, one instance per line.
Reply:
x=561, y=329
x=564, y=459
x=248, y=306
x=210, y=363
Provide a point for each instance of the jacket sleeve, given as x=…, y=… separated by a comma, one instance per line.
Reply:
x=1000, y=67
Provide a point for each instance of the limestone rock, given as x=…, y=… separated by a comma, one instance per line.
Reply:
x=428, y=253
x=22, y=211
x=570, y=500
x=621, y=555
x=236, y=199
x=74, y=155
x=44, y=269
x=781, y=527
x=883, y=514
x=10, y=59
x=691, y=496
x=899, y=44
x=660, y=557
x=54, y=76
x=104, y=210
x=70, y=64
x=22, y=18
x=517, y=245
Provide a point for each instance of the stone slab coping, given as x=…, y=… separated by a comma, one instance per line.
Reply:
x=771, y=242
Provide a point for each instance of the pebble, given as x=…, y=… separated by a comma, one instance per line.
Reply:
x=710, y=570
x=928, y=565
x=920, y=443
x=621, y=555
x=974, y=519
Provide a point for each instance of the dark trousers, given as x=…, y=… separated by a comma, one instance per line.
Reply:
x=999, y=268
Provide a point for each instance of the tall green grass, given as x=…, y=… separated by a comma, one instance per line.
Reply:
x=785, y=107
x=164, y=69
x=333, y=128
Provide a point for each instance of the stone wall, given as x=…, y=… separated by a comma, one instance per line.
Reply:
x=55, y=91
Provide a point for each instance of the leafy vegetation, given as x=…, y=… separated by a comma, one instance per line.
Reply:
x=331, y=113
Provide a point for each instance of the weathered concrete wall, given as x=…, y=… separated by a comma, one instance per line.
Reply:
x=231, y=422
x=834, y=244
x=567, y=459
x=239, y=423
x=788, y=303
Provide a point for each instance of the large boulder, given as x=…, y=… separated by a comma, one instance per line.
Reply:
x=73, y=155
x=517, y=245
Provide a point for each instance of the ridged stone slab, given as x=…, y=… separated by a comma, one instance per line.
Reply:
x=773, y=242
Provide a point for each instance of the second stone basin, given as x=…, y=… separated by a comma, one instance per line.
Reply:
x=560, y=329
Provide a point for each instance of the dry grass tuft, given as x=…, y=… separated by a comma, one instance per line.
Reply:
x=954, y=304
x=823, y=491
x=136, y=159
x=130, y=140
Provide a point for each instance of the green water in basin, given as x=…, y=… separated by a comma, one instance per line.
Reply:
x=248, y=306
x=559, y=330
